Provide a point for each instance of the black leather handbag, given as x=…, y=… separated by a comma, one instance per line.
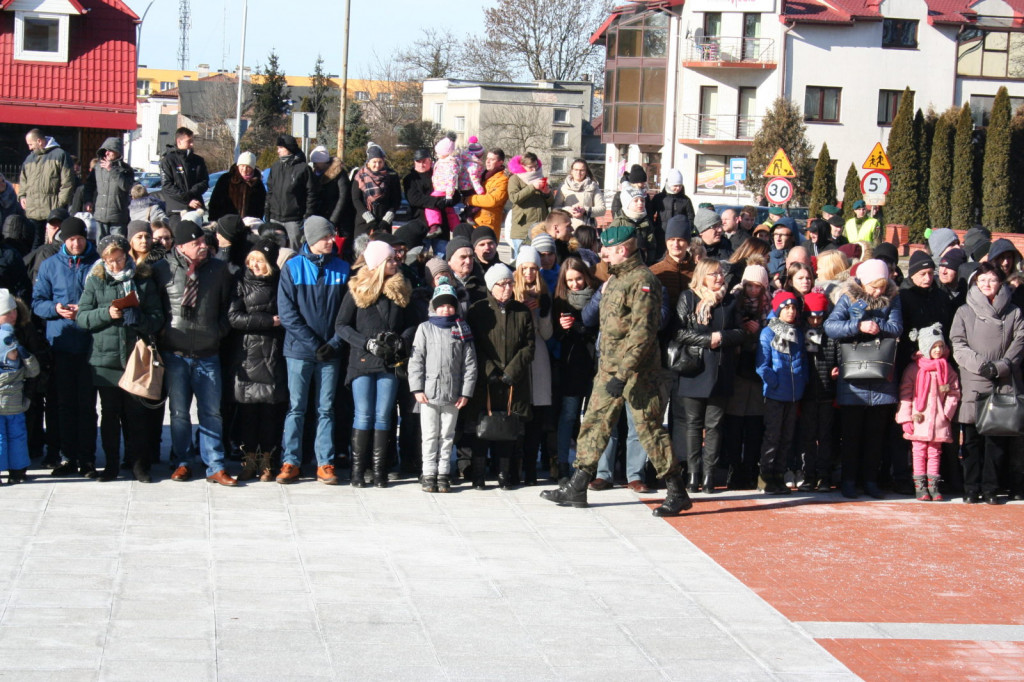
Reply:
x=871, y=360
x=684, y=360
x=498, y=426
x=999, y=414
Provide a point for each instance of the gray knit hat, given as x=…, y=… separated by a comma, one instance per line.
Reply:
x=928, y=337
x=705, y=220
x=941, y=239
x=454, y=245
x=317, y=228
x=437, y=266
x=498, y=272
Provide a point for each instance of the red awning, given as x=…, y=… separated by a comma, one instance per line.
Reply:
x=71, y=117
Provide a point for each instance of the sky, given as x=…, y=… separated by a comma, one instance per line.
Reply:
x=297, y=30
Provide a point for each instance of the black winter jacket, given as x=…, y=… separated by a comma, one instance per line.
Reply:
x=257, y=360
x=719, y=363
x=197, y=334
x=821, y=387
x=921, y=308
x=418, y=187
x=389, y=201
x=232, y=194
x=357, y=325
x=184, y=178
x=333, y=199
x=664, y=206
x=291, y=190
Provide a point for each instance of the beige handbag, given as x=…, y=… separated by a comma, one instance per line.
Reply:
x=144, y=373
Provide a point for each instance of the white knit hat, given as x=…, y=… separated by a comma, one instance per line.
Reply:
x=247, y=159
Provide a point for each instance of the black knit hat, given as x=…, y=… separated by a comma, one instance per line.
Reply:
x=270, y=249
x=887, y=252
x=231, y=227
x=953, y=259
x=636, y=174
x=919, y=260
x=482, y=233
x=289, y=143
x=456, y=244
x=72, y=227
x=184, y=230
x=136, y=226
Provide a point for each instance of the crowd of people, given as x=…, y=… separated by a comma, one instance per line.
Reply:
x=498, y=334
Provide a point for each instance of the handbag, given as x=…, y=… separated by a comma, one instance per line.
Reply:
x=144, y=372
x=999, y=414
x=684, y=360
x=871, y=360
x=498, y=426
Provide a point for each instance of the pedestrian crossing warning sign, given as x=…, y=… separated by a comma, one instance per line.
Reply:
x=779, y=166
x=877, y=159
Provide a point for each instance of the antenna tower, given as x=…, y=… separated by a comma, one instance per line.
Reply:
x=184, y=26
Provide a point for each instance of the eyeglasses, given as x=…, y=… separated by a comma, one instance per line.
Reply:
x=504, y=284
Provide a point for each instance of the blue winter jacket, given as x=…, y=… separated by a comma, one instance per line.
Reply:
x=843, y=325
x=784, y=374
x=308, y=299
x=61, y=280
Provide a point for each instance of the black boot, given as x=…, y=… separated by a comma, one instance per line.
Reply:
x=360, y=456
x=479, y=473
x=110, y=470
x=709, y=481
x=250, y=464
x=505, y=474
x=444, y=484
x=574, y=492
x=676, y=499
x=140, y=470
x=380, y=458
x=530, y=470
x=694, y=482
x=428, y=483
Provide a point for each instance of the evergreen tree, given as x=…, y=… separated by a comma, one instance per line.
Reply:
x=924, y=127
x=270, y=96
x=901, y=204
x=961, y=204
x=823, y=190
x=940, y=171
x=1017, y=167
x=322, y=98
x=357, y=134
x=851, y=191
x=783, y=126
x=995, y=185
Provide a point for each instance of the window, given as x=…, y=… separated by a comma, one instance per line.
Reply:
x=635, y=79
x=383, y=96
x=981, y=108
x=460, y=124
x=438, y=112
x=899, y=32
x=712, y=24
x=561, y=116
x=40, y=37
x=167, y=85
x=990, y=54
x=560, y=140
x=888, y=105
x=362, y=96
x=558, y=164
x=821, y=104
x=142, y=88
x=713, y=173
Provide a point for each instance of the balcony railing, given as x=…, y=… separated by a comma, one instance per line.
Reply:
x=728, y=128
x=730, y=50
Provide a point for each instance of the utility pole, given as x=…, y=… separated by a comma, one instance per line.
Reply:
x=344, y=86
x=138, y=47
x=241, y=79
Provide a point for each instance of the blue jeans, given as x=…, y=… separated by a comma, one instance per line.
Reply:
x=566, y=421
x=374, y=396
x=516, y=243
x=305, y=377
x=636, y=458
x=438, y=246
x=199, y=377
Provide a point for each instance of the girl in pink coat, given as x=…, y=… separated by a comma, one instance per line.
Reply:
x=445, y=178
x=929, y=395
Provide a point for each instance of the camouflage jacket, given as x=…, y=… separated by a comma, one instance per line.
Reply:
x=630, y=319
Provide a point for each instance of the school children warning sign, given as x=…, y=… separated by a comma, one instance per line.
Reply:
x=877, y=159
x=779, y=166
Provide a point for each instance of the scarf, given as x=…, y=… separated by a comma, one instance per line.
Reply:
x=529, y=176
x=574, y=186
x=491, y=173
x=755, y=308
x=579, y=299
x=785, y=335
x=371, y=184
x=814, y=339
x=708, y=300
x=635, y=217
x=926, y=368
x=125, y=275
x=190, y=297
x=460, y=330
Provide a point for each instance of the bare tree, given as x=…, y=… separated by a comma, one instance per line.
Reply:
x=211, y=106
x=437, y=54
x=516, y=128
x=396, y=102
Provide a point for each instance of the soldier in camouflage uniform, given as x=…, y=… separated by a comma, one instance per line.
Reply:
x=629, y=365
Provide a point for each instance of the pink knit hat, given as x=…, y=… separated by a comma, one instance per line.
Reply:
x=376, y=253
x=756, y=273
x=872, y=270
x=445, y=146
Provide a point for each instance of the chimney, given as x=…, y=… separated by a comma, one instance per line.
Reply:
x=204, y=70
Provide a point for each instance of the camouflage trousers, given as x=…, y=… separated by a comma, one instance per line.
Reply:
x=642, y=395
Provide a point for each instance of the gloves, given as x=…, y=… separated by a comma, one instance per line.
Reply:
x=388, y=217
x=450, y=202
x=989, y=371
x=375, y=347
x=367, y=217
x=326, y=353
x=496, y=378
x=507, y=380
x=908, y=428
x=614, y=387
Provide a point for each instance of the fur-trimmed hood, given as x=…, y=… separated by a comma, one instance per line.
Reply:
x=396, y=288
x=333, y=171
x=853, y=289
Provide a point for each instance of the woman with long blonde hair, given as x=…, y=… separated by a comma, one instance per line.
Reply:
x=529, y=288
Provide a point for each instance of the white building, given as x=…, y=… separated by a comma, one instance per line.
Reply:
x=686, y=85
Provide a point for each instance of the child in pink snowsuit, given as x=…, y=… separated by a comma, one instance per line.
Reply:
x=446, y=180
x=929, y=395
x=471, y=176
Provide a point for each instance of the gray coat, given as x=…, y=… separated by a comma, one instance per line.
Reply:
x=107, y=190
x=987, y=332
x=13, y=397
x=441, y=366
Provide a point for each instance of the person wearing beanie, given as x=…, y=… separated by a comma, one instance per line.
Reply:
x=942, y=240
x=530, y=194
x=333, y=192
x=257, y=367
x=675, y=269
x=781, y=364
x=671, y=202
x=444, y=185
x=869, y=307
x=485, y=247
x=976, y=243
x=442, y=378
x=197, y=291
x=708, y=226
x=55, y=298
x=632, y=212
x=816, y=407
x=183, y=174
x=948, y=279
x=862, y=227
x=376, y=193
x=291, y=190
x=374, y=322
x=438, y=267
x=234, y=241
x=819, y=236
x=310, y=293
x=14, y=393
x=581, y=196
x=419, y=192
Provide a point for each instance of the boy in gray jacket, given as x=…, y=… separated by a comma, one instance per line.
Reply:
x=442, y=376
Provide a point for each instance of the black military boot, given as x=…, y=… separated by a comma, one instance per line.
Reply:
x=479, y=473
x=709, y=481
x=676, y=499
x=694, y=482
x=360, y=456
x=574, y=492
x=380, y=458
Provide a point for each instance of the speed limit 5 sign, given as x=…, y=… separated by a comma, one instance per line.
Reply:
x=778, y=190
x=875, y=182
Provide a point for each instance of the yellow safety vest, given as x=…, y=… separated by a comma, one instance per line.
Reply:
x=865, y=232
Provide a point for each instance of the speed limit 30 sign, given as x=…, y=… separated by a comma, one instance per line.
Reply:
x=875, y=182
x=778, y=190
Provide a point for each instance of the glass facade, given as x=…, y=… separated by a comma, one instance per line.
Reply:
x=635, y=79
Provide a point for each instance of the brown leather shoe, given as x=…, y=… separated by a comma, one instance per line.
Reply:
x=600, y=484
x=222, y=478
x=289, y=474
x=182, y=473
x=638, y=487
x=325, y=475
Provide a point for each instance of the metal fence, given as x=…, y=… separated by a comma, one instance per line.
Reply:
x=728, y=127
x=730, y=49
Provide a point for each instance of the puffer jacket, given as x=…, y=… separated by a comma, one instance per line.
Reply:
x=587, y=194
x=234, y=195
x=939, y=409
x=442, y=366
x=784, y=374
x=113, y=340
x=985, y=331
x=184, y=179
x=719, y=363
x=505, y=344
x=665, y=206
x=14, y=399
x=197, y=335
x=491, y=204
x=529, y=206
x=148, y=208
x=841, y=325
x=333, y=198
x=361, y=319
x=821, y=360
x=257, y=360
x=291, y=190
x=47, y=181
x=921, y=308
x=308, y=299
x=62, y=280
x=107, y=190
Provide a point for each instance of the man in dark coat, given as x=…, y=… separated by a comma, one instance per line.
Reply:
x=291, y=190
x=183, y=174
x=107, y=187
x=418, y=187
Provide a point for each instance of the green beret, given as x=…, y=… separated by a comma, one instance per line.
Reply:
x=613, y=236
x=829, y=208
x=777, y=210
x=859, y=204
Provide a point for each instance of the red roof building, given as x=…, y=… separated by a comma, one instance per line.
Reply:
x=68, y=68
